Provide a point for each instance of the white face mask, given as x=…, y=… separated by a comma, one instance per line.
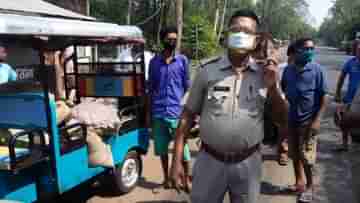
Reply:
x=241, y=41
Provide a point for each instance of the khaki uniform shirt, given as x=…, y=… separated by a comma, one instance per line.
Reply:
x=231, y=109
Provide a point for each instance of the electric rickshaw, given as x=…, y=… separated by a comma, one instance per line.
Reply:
x=42, y=159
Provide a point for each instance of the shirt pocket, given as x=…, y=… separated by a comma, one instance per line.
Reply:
x=257, y=103
x=252, y=101
x=217, y=101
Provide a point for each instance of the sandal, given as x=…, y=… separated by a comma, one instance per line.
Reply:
x=306, y=196
x=167, y=184
x=283, y=159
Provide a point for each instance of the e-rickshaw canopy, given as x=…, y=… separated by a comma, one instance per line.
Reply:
x=12, y=24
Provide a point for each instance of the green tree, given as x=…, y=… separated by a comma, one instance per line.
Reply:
x=285, y=19
x=206, y=39
x=342, y=22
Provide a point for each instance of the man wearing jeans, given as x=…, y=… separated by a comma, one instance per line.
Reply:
x=304, y=85
x=168, y=82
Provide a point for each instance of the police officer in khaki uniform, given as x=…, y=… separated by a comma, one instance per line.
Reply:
x=229, y=96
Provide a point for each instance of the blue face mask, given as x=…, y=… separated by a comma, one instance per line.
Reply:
x=304, y=57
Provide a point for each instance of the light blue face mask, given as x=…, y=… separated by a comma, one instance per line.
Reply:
x=241, y=41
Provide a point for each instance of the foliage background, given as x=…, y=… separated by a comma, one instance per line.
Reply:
x=342, y=22
x=285, y=19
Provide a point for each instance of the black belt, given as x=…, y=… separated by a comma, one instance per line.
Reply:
x=233, y=157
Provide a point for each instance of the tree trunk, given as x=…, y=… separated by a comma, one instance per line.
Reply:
x=128, y=17
x=217, y=15
x=161, y=19
x=179, y=22
x=222, y=22
x=167, y=5
x=155, y=21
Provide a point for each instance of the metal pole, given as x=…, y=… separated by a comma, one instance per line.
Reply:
x=45, y=84
x=76, y=74
x=128, y=17
x=66, y=80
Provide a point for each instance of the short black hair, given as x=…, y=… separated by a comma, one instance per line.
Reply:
x=164, y=32
x=291, y=49
x=245, y=13
x=301, y=42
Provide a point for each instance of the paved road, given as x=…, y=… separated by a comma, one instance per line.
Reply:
x=337, y=175
x=332, y=60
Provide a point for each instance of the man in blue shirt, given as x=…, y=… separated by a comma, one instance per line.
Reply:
x=305, y=88
x=168, y=82
x=6, y=72
x=351, y=69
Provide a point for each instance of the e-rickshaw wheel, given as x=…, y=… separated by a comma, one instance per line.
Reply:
x=127, y=174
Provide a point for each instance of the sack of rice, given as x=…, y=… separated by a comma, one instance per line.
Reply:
x=63, y=112
x=97, y=115
x=103, y=132
x=99, y=153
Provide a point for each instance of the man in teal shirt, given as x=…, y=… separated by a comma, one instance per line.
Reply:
x=7, y=74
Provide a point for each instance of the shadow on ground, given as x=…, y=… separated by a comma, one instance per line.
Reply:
x=148, y=184
x=339, y=174
x=269, y=188
x=81, y=194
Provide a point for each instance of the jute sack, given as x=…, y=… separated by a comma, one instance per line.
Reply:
x=63, y=112
x=97, y=115
x=98, y=152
